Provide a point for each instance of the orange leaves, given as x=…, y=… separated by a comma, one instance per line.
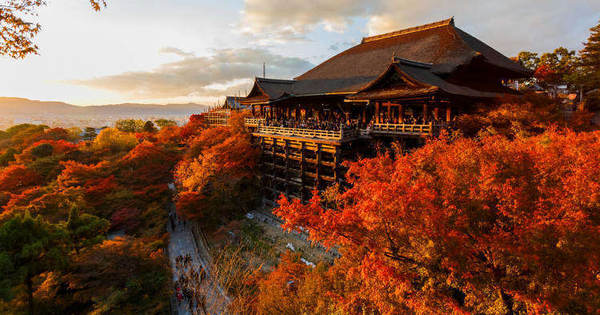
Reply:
x=14, y=178
x=216, y=177
x=469, y=217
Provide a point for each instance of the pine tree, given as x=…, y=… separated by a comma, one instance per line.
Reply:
x=590, y=65
x=590, y=57
x=28, y=247
x=85, y=229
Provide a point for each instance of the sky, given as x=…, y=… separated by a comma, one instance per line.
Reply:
x=179, y=51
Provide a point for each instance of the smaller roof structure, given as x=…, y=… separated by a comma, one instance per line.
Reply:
x=408, y=78
x=266, y=90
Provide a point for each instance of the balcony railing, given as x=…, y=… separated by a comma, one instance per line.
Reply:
x=337, y=135
x=253, y=122
x=406, y=129
x=347, y=134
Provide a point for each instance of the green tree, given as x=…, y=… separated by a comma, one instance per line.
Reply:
x=149, y=127
x=89, y=134
x=130, y=125
x=29, y=247
x=42, y=150
x=556, y=67
x=530, y=60
x=589, y=67
x=162, y=123
x=590, y=58
x=85, y=229
x=8, y=156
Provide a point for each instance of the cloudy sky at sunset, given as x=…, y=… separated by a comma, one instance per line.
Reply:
x=163, y=51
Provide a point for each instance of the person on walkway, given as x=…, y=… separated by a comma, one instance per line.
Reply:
x=202, y=304
x=202, y=274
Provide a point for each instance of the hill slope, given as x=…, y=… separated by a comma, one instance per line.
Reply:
x=13, y=106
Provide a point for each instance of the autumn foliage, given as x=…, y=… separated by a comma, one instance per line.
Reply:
x=495, y=226
x=216, y=179
x=84, y=191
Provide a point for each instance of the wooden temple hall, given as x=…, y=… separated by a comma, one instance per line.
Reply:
x=407, y=84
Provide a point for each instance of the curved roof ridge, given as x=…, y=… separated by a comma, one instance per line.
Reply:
x=411, y=62
x=273, y=80
x=409, y=30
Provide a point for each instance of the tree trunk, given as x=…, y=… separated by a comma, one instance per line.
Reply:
x=507, y=300
x=29, y=283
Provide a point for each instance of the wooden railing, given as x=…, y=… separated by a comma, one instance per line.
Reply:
x=406, y=129
x=309, y=133
x=253, y=122
x=347, y=134
x=217, y=118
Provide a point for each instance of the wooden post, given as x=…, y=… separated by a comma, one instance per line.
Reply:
x=400, y=114
x=377, y=112
x=436, y=112
x=287, y=168
x=448, y=114
x=364, y=115
x=318, y=165
x=302, y=169
x=389, y=111
x=336, y=163
x=424, y=112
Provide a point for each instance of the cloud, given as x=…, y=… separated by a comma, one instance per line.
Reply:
x=341, y=45
x=282, y=20
x=225, y=71
x=509, y=25
x=176, y=51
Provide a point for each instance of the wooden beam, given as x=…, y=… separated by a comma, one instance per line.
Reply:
x=448, y=113
x=377, y=104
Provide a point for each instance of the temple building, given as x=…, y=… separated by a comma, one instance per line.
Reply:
x=407, y=84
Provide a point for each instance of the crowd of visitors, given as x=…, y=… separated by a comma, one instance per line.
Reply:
x=188, y=279
x=313, y=123
x=413, y=120
x=187, y=287
x=349, y=124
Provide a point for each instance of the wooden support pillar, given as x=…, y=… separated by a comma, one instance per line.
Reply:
x=274, y=172
x=448, y=114
x=262, y=112
x=424, y=112
x=336, y=163
x=302, y=171
x=377, y=104
x=271, y=112
x=318, y=166
x=436, y=112
x=287, y=168
x=364, y=115
x=400, y=114
x=287, y=113
x=389, y=111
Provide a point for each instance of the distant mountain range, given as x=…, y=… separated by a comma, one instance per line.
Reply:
x=13, y=106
